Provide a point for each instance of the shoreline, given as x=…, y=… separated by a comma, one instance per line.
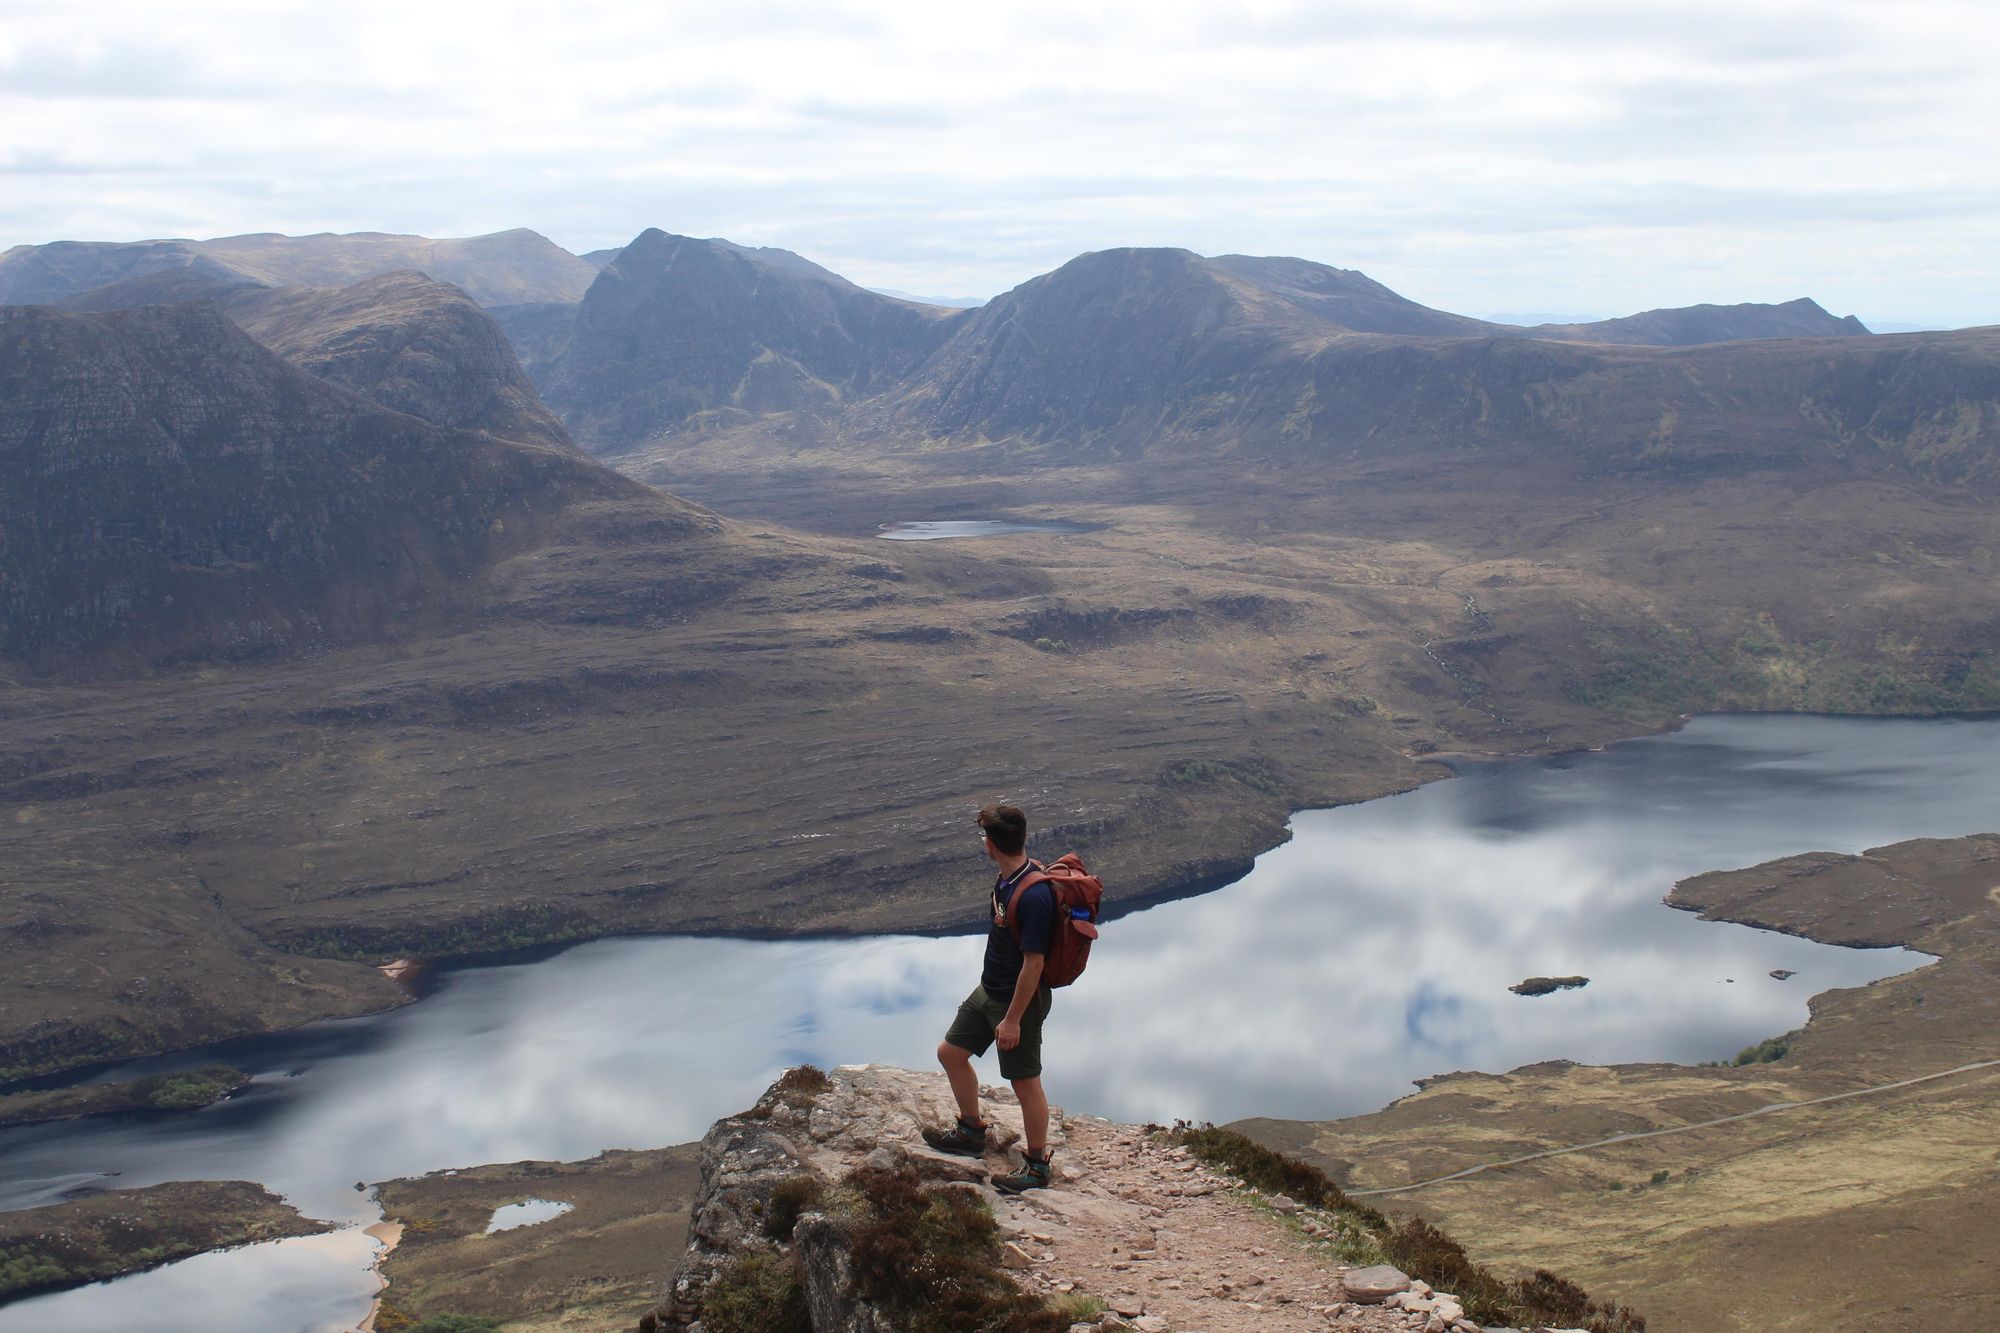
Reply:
x=413, y=976
x=387, y=1235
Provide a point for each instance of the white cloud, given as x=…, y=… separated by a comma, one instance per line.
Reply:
x=1533, y=155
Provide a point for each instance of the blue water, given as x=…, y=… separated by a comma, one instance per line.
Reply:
x=946, y=529
x=1373, y=948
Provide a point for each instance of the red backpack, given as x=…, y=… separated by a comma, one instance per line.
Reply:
x=1078, y=894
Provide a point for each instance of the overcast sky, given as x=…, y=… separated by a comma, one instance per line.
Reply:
x=1573, y=156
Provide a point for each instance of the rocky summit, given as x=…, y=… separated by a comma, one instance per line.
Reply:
x=676, y=329
x=1136, y=1233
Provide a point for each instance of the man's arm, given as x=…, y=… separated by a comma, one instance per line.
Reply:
x=1008, y=1032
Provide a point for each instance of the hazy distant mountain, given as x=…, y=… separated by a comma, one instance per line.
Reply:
x=1528, y=319
x=168, y=486
x=1346, y=299
x=676, y=328
x=505, y=268
x=200, y=279
x=1134, y=350
x=952, y=302
x=1686, y=326
x=403, y=340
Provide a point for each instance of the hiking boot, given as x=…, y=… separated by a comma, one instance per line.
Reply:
x=1033, y=1175
x=964, y=1138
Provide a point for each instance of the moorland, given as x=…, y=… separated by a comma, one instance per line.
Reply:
x=351, y=614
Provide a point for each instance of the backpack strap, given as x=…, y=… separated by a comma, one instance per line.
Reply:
x=1036, y=875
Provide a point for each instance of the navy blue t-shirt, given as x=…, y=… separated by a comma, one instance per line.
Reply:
x=1038, y=919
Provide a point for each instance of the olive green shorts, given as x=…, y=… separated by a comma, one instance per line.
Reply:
x=979, y=1018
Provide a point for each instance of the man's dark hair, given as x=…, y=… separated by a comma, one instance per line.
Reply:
x=1006, y=828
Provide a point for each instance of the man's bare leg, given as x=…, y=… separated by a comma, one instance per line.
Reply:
x=1034, y=1113
x=964, y=1080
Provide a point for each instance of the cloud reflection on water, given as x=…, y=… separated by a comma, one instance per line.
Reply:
x=1373, y=948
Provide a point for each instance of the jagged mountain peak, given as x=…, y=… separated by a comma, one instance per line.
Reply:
x=656, y=247
x=678, y=329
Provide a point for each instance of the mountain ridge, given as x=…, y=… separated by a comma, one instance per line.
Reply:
x=175, y=487
x=503, y=267
x=675, y=328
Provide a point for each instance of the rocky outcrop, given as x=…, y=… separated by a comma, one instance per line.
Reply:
x=1136, y=1234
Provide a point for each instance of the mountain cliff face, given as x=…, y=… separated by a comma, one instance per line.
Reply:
x=170, y=487
x=676, y=328
x=1687, y=325
x=503, y=268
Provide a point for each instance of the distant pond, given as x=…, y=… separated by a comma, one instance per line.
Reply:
x=1374, y=947
x=948, y=529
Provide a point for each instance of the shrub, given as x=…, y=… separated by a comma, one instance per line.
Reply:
x=1766, y=1051
x=793, y=1196
x=1420, y=1249
x=930, y=1259
x=808, y=1080
x=186, y=1089
x=1415, y=1246
x=800, y=1085
x=757, y=1293
x=1273, y=1172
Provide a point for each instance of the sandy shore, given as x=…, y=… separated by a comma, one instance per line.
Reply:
x=388, y=1235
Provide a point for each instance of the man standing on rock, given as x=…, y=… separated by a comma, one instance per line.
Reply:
x=1007, y=1007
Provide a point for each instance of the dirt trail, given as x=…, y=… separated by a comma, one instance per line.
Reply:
x=1154, y=1233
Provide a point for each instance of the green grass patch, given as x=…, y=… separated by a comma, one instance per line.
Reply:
x=454, y=1323
x=187, y=1089
x=1077, y=1307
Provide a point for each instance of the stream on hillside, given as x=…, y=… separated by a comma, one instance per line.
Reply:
x=1374, y=947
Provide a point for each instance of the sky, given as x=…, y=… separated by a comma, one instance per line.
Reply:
x=1574, y=157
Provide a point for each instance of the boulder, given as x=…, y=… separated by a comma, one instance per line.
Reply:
x=1372, y=1286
